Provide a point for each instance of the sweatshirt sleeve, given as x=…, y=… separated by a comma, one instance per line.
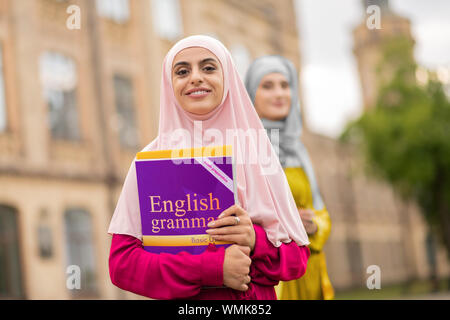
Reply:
x=271, y=264
x=163, y=276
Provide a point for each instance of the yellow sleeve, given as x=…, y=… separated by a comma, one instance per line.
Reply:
x=323, y=222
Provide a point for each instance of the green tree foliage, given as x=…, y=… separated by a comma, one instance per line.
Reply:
x=405, y=137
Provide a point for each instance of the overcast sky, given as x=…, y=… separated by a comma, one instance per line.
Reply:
x=331, y=88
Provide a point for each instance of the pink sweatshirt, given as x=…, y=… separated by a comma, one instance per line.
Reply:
x=186, y=276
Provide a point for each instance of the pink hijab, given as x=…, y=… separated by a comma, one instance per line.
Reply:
x=262, y=188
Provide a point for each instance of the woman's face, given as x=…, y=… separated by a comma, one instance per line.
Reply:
x=197, y=80
x=273, y=97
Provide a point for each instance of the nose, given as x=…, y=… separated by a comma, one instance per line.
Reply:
x=279, y=92
x=196, y=76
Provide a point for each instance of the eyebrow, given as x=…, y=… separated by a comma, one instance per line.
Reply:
x=184, y=63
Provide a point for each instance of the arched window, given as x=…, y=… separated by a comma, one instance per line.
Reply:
x=59, y=82
x=116, y=10
x=125, y=108
x=167, y=19
x=80, y=249
x=10, y=268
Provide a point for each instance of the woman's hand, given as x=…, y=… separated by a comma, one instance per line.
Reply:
x=228, y=228
x=236, y=267
x=307, y=216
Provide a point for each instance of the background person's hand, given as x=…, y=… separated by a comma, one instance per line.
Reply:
x=236, y=267
x=226, y=229
x=307, y=216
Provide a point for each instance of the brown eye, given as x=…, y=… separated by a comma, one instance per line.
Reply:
x=181, y=72
x=267, y=85
x=209, y=68
x=284, y=85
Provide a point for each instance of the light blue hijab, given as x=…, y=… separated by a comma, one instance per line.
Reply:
x=288, y=145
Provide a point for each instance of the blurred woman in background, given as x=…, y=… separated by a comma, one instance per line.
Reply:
x=271, y=82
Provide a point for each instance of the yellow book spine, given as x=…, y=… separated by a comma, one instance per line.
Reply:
x=215, y=151
x=182, y=240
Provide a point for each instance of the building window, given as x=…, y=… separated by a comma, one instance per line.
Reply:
x=10, y=276
x=125, y=112
x=59, y=82
x=80, y=249
x=241, y=58
x=116, y=10
x=167, y=19
x=3, y=114
x=355, y=260
x=44, y=236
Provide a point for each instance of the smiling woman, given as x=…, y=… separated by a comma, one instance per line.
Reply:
x=200, y=84
x=197, y=80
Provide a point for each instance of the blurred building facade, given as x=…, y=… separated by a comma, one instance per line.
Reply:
x=367, y=47
x=77, y=104
x=372, y=224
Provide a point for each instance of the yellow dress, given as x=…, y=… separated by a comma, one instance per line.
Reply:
x=315, y=284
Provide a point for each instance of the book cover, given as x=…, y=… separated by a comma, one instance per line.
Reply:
x=180, y=192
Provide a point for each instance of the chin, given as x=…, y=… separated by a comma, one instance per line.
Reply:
x=200, y=111
x=276, y=116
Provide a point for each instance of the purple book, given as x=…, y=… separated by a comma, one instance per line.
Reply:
x=180, y=192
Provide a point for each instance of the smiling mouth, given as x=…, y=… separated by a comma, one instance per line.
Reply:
x=198, y=92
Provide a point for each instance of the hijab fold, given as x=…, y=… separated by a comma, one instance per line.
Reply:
x=263, y=193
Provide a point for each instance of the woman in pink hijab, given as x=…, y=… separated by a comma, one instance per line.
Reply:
x=204, y=101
